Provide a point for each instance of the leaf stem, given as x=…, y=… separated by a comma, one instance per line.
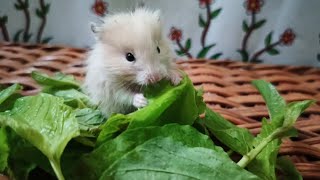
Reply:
x=247, y=158
x=27, y=18
x=248, y=33
x=207, y=25
x=260, y=52
x=4, y=31
x=185, y=51
x=43, y=21
x=55, y=164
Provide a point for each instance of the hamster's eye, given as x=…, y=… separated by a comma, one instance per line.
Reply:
x=158, y=49
x=130, y=57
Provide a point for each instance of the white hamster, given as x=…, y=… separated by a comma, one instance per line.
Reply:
x=130, y=52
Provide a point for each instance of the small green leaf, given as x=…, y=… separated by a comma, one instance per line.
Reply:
x=59, y=80
x=18, y=6
x=294, y=110
x=179, y=52
x=287, y=169
x=46, y=40
x=216, y=56
x=6, y=93
x=238, y=139
x=39, y=13
x=273, y=52
x=27, y=37
x=46, y=9
x=215, y=13
x=16, y=37
x=244, y=54
x=202, y=22
x=4, y=19
x=275, y=103
x=204, y=51
x=245, y=26
x=268, y=39
x=4, y=149
x=188, y=44
x=259, y=24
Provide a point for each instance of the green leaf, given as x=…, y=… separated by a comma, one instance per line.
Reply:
x=46, y=40
x=48, y=125
x=6, y=93
x=89, y=120
x=215, y=13
x=273, y=52
x=39, y=13
x=238, y=139
x=260, y=23
x=4, y=149
x=268, y=39
x=16, y=37
x=18, y=6
x=4, y=19
x=216, y=56
x=188, y=44
x=244, y=54
x=288, y=170
x=204, y=51
x=58, y=80
x=275, y=103
x=46, y=8
x=72, y=97
x=112, y=155
x=27, y=37
x=202, y=22
x=164, y=158
x=294, y=110
x=245, y=26
x=179, y=52
x=264, y=163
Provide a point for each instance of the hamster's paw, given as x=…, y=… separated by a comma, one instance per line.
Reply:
x=139, y=101
x=175, y=78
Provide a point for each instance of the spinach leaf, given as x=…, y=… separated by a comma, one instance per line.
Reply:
x=8, y=96
x=58, y=80
x=238, y=139
x=4, y=149
x=112, y=153
x=165, y=158
x=45, y=122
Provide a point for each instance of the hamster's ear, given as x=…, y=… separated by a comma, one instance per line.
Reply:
x=96, y=29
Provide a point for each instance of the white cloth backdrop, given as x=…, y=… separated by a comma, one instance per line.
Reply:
x=68, y=24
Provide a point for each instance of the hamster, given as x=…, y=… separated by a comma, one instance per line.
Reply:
x=131, y=52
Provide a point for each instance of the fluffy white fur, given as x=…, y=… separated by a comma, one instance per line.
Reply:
x=114, y=83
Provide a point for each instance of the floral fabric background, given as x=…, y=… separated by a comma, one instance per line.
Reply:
x=259, y=31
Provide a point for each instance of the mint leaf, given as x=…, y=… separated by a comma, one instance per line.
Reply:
x=238, y=139
x=8, y=96
x=275, y=103
x=48, y=125
x=58, y=80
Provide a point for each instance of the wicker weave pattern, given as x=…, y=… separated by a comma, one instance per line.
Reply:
x=226, y=84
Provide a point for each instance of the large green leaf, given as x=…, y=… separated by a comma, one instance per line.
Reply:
x=89, y=120
x=46, y=123
x=238, y=139
x=72, y=97
x=165, y=158
x=112, y=152
x=275, y=103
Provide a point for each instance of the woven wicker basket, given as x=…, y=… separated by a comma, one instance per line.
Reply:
x=226, y=84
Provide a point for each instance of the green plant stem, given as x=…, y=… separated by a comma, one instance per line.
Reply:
x=55, y=164
x=247, y=158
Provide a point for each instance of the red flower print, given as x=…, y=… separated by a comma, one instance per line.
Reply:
x=175, y=34
x=287, y=37
x=253, y=6
x=204, y=3
x=100, y=7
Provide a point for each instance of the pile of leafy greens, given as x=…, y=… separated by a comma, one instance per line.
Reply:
x=59, y=134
